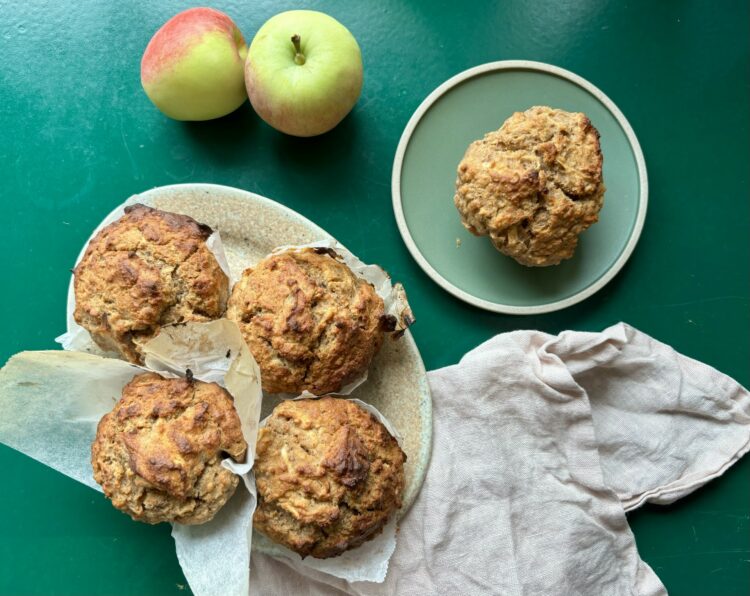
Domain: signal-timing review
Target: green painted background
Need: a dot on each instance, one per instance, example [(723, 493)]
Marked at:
[(77, 136)]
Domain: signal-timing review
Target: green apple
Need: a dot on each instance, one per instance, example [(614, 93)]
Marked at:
[(193, 67), (303, 72)]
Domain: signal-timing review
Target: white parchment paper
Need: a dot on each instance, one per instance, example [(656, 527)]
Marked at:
[(76, 337), (51, 403), (394, 298), (368, 562)]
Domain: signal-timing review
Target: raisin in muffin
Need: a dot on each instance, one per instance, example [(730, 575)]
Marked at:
[(310, 323), (148, 269), (534, 185), (329, 476), (158, 453)]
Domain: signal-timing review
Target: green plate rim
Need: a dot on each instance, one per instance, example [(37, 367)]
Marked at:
[(456, 291)]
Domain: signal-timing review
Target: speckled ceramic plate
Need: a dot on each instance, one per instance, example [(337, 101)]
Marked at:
[(251, 226), (462, 110)]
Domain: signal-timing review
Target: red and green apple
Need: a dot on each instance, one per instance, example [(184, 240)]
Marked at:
[(192, 68)]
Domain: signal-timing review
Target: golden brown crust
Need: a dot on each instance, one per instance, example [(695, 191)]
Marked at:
[(157, 454), (148, 269), (329, 476), (310, 323), (534, 185)]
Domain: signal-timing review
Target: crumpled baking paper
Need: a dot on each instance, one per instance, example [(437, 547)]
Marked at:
[(395, 303), (368, 562), (76, 338), (52, 401), (541, 443)]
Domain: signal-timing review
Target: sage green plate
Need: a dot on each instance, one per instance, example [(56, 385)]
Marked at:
[(462, 110)]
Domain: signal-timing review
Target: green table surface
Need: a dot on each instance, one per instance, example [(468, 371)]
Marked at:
[(79, 136)]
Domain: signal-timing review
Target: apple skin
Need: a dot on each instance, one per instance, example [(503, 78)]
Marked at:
[(307, 99), (193, 67)]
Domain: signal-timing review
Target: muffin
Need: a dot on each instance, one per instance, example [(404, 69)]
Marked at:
[(310, 323), (329, 476), (158, 453), (534, 185), (148, 269)]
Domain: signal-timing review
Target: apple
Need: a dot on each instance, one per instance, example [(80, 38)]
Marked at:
[(193, 67), (303, 72)]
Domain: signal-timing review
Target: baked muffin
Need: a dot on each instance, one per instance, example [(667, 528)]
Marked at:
[(310, 323), (158, 453), (534, 185), (329, 476), (148, 269)]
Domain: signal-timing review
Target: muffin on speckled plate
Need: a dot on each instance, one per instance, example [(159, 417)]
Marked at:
[(329, 476), (148, 269), (309, 321), (157, 455), (533, 185)]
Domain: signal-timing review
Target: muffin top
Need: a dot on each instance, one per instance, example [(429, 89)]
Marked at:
[(310, 323), (158, 453), (149, 268), (329, 475), (534, 185)]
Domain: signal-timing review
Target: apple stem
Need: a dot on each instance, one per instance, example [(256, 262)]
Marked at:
[(299, 57)]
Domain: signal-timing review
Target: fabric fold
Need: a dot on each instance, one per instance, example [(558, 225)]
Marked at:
[(665, 424)]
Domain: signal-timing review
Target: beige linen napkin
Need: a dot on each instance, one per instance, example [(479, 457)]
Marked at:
[(541, 444)]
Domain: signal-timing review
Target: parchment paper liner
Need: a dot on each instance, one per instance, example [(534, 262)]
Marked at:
[(51, 402)]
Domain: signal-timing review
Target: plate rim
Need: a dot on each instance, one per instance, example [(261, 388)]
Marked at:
[(424, 405), (498, 307)]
